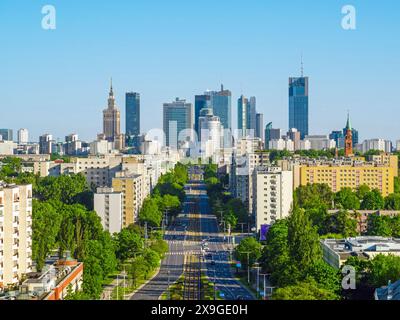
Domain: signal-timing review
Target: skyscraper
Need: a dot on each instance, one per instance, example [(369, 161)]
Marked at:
[(177, 116), (251, 115), (298, 104), (112, 122), (221, 105), (242, 115), (132, 113), (6, 134), (200, 102), (260, 126)]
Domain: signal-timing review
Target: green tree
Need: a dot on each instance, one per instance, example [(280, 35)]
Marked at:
[(392, 201), (137, 269), (303, 241), (383, 269), (342, 223), (160, 246), (250, 245), (305, 290), (362, 191), (373, 200), (326, 276), (128, 244), (347, 199), (45, 226), (150, 213), (275, 255), (92, 271), (379, 225), (313, 195)]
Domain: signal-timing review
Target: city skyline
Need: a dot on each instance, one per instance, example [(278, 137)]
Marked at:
[(342, 65)]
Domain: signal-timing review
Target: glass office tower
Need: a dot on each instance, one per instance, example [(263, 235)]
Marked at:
[(177, 117), (200, 102), (298, 105), (132, 113)]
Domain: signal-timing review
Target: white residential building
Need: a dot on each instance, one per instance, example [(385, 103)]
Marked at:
[(15, 233), (7, 147), (242, 176), (375, 144), (108, 206), (247, 145), (23, 136), (320, 142), (272, 195), (281, 144)]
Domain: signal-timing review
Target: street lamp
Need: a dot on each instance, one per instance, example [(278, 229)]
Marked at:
[(257, 267), (169, 290), (265, 293), (248, 264)]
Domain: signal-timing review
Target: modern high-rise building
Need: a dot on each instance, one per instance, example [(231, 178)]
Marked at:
[(23, 136), (221, 105), (132, 113), (46, 144), (15, 233), (112, 122), (6, 134), (211, 133), (251, 116), (200, 102), (177, 117), (298, 105), (242, 115), (271, 134), (259, 126), (338, 137)]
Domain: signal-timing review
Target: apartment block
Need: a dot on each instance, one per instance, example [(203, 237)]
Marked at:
[(349, 173), (108, 206), (132, 188), (272, 195), (15, 233)]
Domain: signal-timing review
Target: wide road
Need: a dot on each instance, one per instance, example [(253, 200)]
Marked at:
[(171, 266), (195, 225), (217, 258)]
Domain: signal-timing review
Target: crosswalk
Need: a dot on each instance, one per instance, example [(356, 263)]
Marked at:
[(182, 253), (192, 242)]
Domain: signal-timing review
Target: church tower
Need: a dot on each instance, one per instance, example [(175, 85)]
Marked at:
[(348, 142)]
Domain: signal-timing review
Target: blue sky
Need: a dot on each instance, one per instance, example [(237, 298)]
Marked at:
[(57, 81)]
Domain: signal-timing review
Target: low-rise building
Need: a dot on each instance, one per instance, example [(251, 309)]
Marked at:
[(337, 251)]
